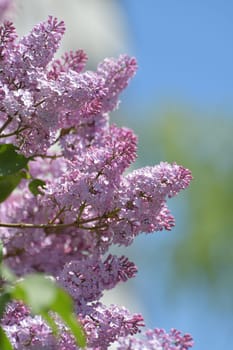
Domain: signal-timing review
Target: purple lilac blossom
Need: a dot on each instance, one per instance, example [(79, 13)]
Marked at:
[(86, 280), (58, 115), (42, 96), (104, 325), (157, 339)]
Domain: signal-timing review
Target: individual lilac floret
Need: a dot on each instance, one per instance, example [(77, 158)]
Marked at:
[(157, 339)]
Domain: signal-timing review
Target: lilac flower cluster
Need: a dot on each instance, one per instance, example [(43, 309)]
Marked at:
[(157, 339), (58, 117)]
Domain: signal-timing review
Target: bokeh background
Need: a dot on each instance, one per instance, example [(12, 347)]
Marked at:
[(180, 105)]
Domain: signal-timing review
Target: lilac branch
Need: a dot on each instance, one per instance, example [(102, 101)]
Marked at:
[(7, 122), (77, 223)]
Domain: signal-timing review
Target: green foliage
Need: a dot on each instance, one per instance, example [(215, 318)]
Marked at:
[(4, 341), (10, 161), (203, 144), (5, 297), (1, 252), (12, 169), (8, 183)]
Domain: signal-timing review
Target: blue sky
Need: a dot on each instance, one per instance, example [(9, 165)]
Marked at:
[(184, 50)]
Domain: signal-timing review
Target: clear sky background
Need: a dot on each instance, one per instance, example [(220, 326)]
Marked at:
[(184, 50)]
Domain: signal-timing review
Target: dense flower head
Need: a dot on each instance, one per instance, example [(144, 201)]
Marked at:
[(26, 331), (86, 280), (40, 95), (105, 325), (39, 47), (30, 333), (158, 339), (96, 206), (56, 115)]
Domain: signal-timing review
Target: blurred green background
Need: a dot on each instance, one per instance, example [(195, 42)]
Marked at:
[(189, 270), (180, 105)]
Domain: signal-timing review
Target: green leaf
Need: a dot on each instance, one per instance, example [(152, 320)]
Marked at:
[(4, 341), (4, 300), (34, 186), (1, 252), (42, 295), (8, 184), (76, 329), (37, 291), (10, 161), (7, 274), (66, 313)]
